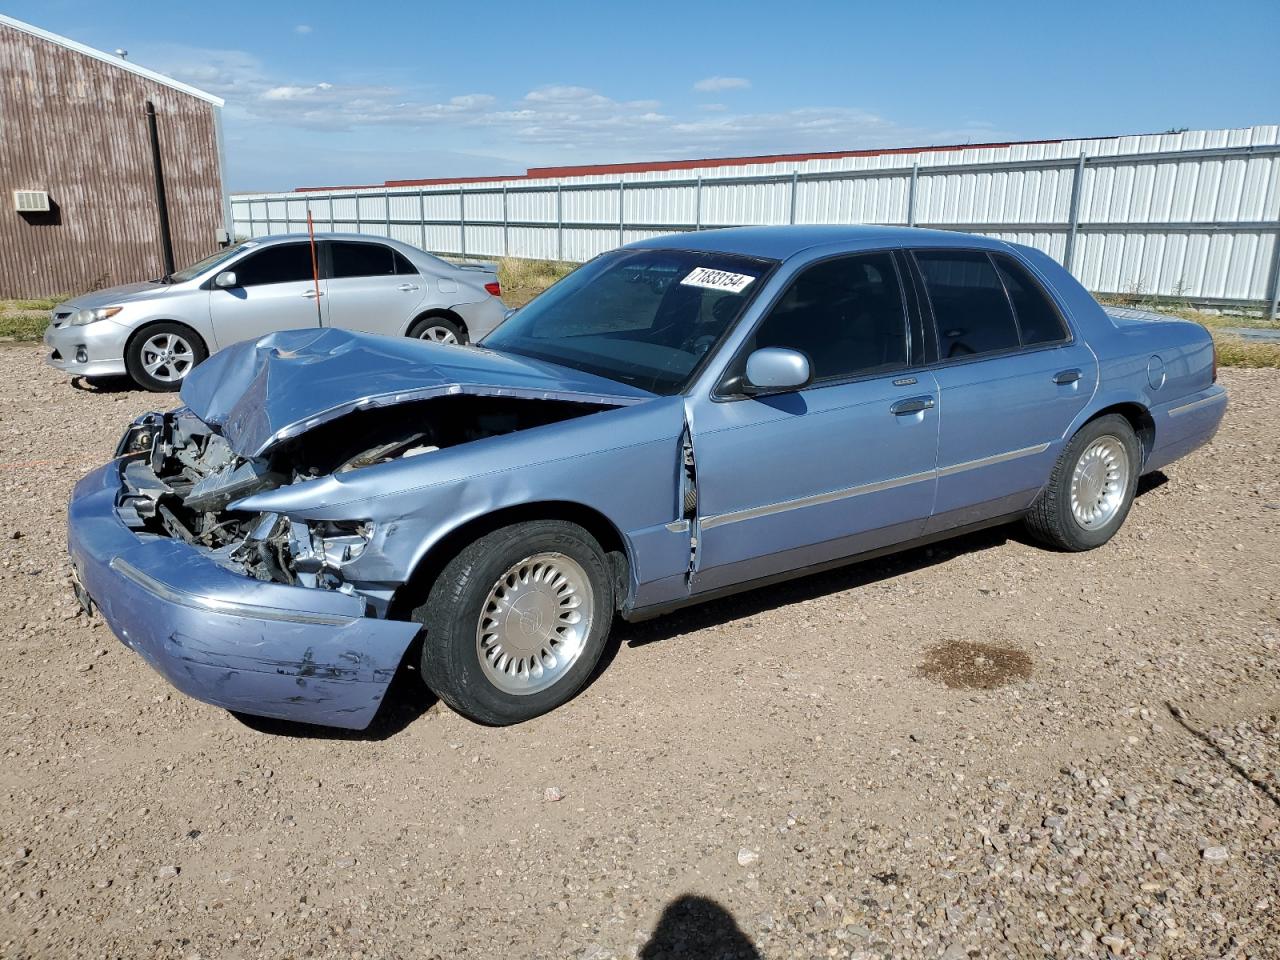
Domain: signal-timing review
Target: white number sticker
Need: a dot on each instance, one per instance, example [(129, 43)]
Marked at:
[(717, 280)]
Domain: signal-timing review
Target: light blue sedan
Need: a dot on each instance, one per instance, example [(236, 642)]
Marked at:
[(678, 419)]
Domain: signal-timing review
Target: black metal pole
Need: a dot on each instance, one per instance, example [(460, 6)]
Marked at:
[(162, 202)]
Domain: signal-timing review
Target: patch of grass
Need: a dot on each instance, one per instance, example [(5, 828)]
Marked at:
[(43, 303), (23, 325), (522, 280), (1238, 352)]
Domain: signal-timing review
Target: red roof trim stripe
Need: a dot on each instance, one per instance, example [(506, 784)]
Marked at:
[(605, 169)]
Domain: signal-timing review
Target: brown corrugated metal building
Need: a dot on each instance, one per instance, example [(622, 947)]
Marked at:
[(73, 124)]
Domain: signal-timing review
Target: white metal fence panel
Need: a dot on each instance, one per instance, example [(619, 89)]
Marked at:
[(1193, 215)]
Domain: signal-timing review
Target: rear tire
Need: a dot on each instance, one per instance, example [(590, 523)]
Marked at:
[(159, 356), (517, 621), (438, 330), (1091, 488)]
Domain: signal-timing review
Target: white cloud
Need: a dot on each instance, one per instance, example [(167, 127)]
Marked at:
[(294, 93), (303, 29), (716, 84), (552, 124)]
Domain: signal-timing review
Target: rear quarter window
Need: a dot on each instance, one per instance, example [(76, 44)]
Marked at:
[(1038, 319)]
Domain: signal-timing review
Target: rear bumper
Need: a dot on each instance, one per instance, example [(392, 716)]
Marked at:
[(259, 648), (1184, 425), (101, 344)]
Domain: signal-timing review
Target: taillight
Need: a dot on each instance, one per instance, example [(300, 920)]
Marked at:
[(1215, 361), (494, 288)]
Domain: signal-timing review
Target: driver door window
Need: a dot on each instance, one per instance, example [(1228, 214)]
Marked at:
[(846, 315), (287, 263)]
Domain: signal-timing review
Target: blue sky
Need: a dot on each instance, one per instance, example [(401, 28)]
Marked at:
[(338, 92)]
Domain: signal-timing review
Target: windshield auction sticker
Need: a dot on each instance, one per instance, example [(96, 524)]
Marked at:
[(717, 280)]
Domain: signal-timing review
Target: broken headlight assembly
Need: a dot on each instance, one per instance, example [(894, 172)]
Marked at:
[(318, 550), (141, 435)]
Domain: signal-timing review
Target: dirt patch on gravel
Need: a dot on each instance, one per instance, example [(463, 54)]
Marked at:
[(767, 775), (962, 665)]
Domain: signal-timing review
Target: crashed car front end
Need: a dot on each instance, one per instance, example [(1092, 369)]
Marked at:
[(285, 611), (180, 478), (260, 646)]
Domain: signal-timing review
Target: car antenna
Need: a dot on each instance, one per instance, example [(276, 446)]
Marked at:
[(315, 265)]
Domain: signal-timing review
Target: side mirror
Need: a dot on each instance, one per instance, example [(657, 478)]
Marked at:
[(776, 370), (226, 280), (511, 312)]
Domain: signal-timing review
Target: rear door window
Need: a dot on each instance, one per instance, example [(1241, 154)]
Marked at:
[(970, 308), (1038, 319), (354, 259), (286, 263)]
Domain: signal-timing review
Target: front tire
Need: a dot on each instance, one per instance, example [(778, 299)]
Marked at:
[(159, 357), (517, 621), (1091, 488)]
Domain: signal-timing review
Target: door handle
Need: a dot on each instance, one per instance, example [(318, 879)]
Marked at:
[(911, 405), (312, 294), (407, 287), (1066, 376)]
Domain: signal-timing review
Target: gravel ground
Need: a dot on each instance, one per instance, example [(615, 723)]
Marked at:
[(982, 749)]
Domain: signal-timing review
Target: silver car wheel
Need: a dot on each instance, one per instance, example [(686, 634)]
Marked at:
[(534, 623), (438, 334), (167, 357), (1100, 482)]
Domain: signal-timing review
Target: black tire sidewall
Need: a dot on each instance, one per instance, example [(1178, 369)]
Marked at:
[(450, 662), (418, 326), (133, 355), (1078, 537)]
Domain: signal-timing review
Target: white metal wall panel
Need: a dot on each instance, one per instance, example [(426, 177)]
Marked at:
[(1123, 205), (484, 207)]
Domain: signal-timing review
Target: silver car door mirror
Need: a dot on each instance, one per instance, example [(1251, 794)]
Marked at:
[(226, 280), (776, 370)]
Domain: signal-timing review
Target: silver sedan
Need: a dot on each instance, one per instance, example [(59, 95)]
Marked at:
[(158, 330)]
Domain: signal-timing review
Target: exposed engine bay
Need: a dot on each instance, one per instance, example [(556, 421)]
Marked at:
[(181, 476)]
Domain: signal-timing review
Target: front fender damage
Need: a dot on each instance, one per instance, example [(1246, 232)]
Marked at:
[(277, 517)]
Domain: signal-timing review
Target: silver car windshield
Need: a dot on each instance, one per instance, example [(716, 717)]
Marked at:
[(644, 317), (200, 266)]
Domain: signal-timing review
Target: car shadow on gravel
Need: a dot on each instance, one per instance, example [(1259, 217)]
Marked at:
[(754, 602), (858, 574), (119, 384)]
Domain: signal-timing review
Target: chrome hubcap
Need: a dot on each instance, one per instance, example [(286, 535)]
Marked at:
[(439, 335), (1099, 482), (167, 357), (534, 623)]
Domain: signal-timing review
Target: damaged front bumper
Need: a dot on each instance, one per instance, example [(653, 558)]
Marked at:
[(252, 646)]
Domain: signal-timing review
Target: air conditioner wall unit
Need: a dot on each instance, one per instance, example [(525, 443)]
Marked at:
[(31, 201)]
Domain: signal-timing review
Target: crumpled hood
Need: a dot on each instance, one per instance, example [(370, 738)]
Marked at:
[(257, 393)]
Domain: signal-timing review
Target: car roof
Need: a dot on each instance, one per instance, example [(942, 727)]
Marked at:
[(327, 235), (780, 243)]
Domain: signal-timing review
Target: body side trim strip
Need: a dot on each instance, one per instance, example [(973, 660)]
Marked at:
[(1197, 404), (993, 459), (753, 513)]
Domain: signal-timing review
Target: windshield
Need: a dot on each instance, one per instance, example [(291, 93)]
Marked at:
[(200, 266), (644, 317)]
